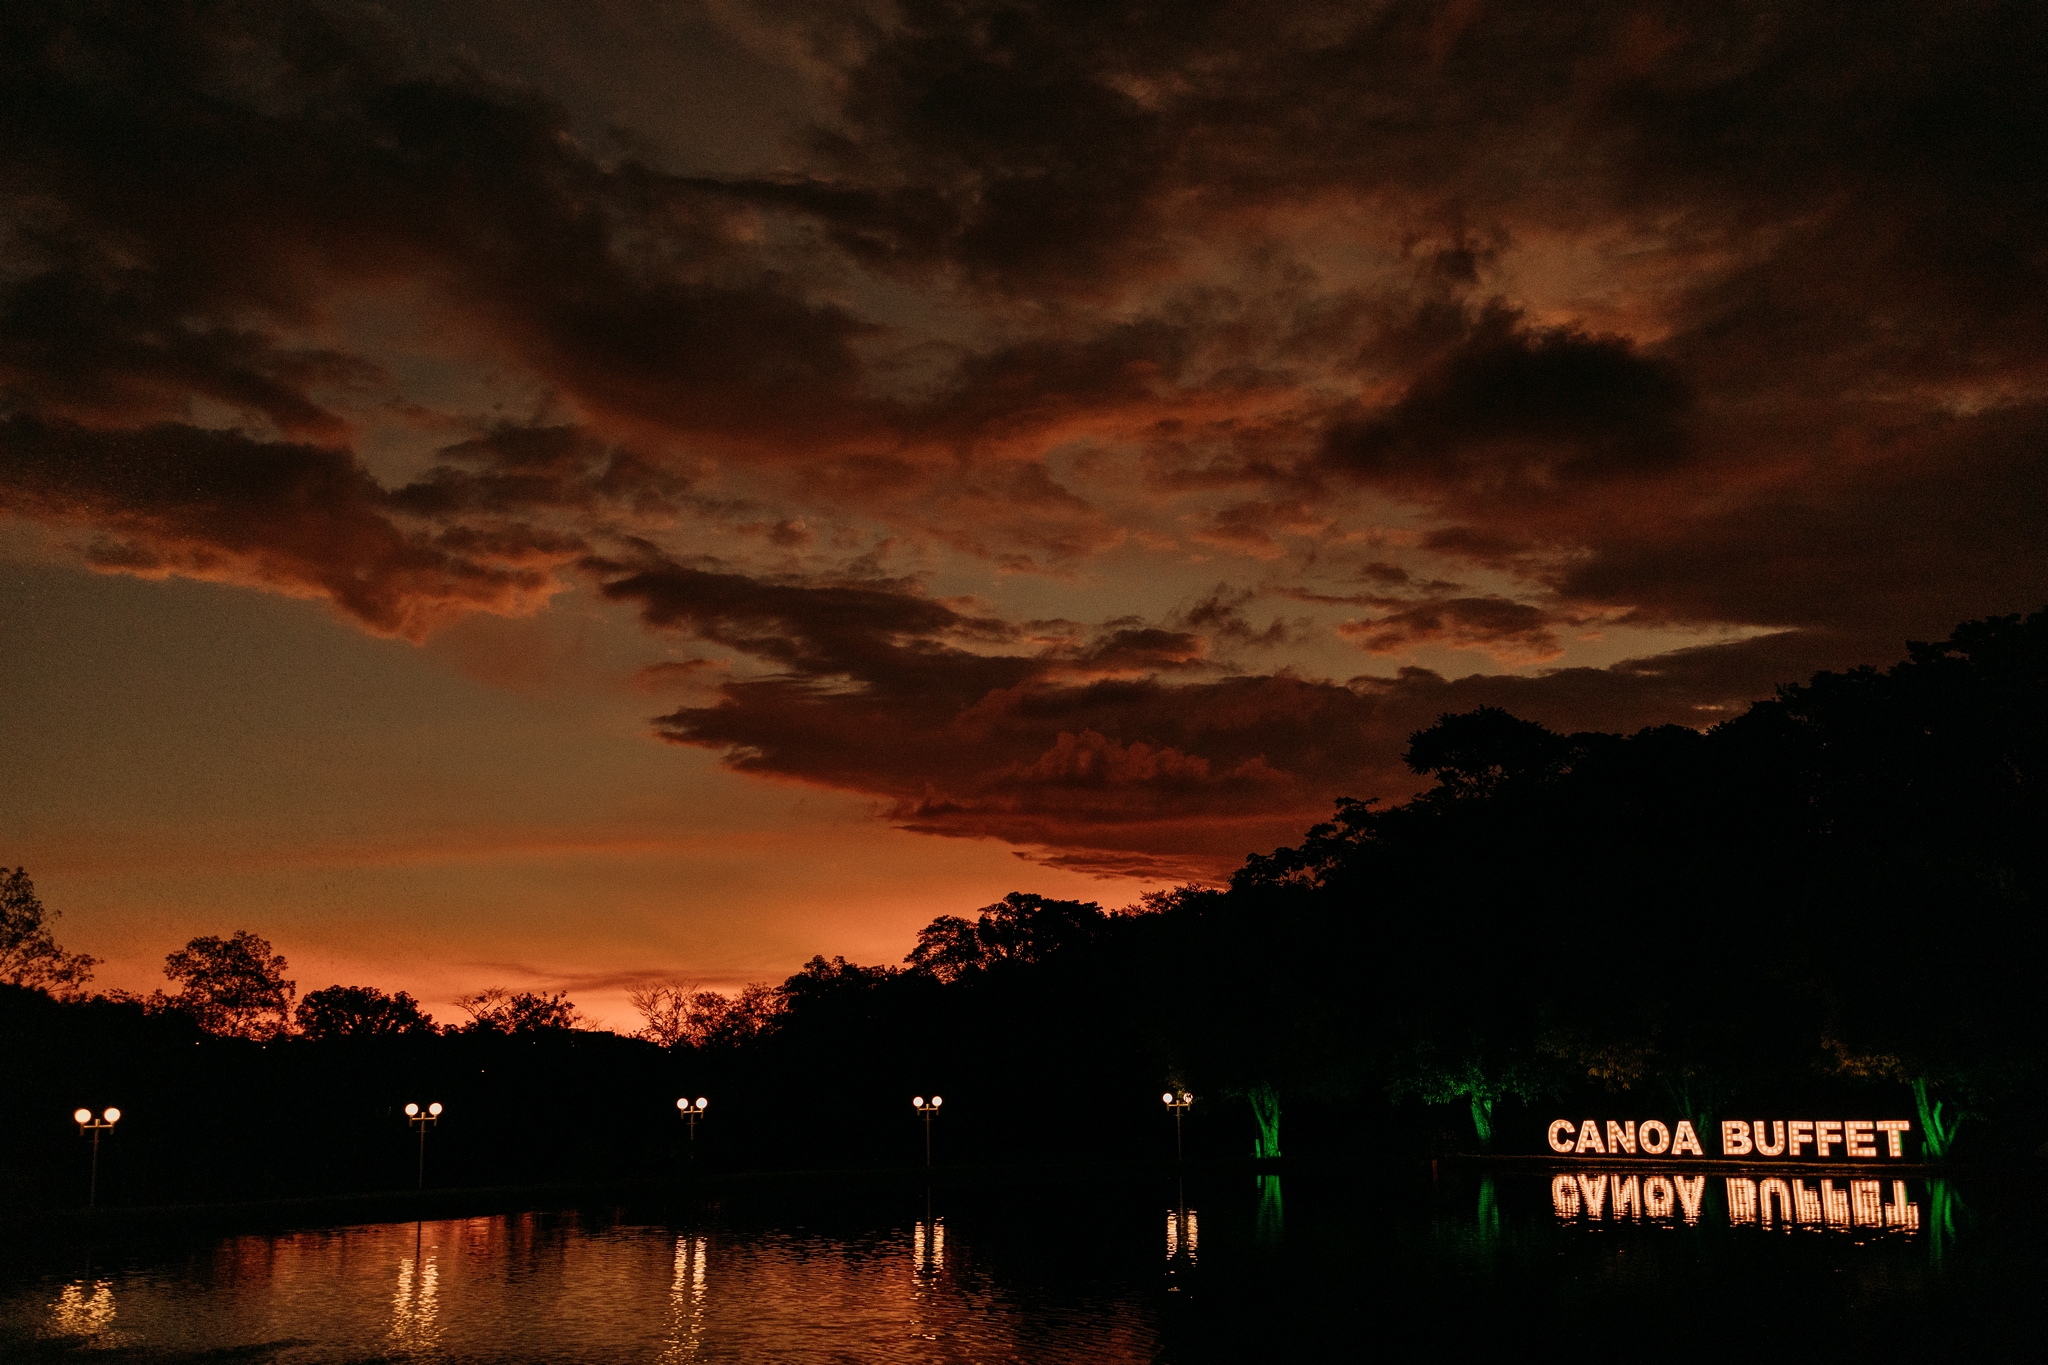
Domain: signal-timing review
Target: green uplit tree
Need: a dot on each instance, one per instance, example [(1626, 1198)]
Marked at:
[(1469, 1068), (1937, 1133), (1265, 1103), (1938, 1120)]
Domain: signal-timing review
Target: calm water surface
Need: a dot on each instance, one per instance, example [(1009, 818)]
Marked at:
[(1139, 1269)]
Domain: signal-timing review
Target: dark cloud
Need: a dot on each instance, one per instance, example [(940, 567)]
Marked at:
[(520, 470), (189, 184), (1725, 316), (1090, 754), (1501, 626), (1513, 415), (299, 519)]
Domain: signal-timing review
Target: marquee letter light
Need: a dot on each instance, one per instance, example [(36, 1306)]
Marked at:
[(1564, 1144), (1564, 1195), (1656, 1138), (1901, 1213), (1892, 1130), (1806, 1201), (1620, 1139), (1595, 1192), (1658, 1196), (1686, 1142), (1741, 1200), (1589, 1139), (1866, 1203), (1826, 1133), (1860, 1136), (1735, 1137), (1627, 1198), (1802, 1133), (1690, 1192), (1834, 1205), (1777, 1145), (1777, 1189)]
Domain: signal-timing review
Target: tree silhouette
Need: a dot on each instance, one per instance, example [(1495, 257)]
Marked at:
[(360, 1012), (678, 1014), (29, 956), (1020, 927), (232, 986), (498, 1010)]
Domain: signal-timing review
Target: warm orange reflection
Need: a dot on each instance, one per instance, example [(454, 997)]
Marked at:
[(82, 1310), (415, 1307), (1901, 1213), (1776, 1202), (928, 1246), (686, 1301), (1772, 1202), (1182, 1233), (582, 1286), (1631, 1197)]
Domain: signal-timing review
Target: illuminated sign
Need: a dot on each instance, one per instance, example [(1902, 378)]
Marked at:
[(1792, 1139)]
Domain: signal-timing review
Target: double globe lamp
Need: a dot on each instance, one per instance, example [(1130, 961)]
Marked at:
[(928, 1108), (88, 1124)]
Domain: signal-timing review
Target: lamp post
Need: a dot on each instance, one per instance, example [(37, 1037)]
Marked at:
[(928, 1108), (1178, 1101), (88, 1124), (691, 1113), (420, 1118)]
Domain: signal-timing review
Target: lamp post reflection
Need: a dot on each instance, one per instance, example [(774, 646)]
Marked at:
[(1178, 1101), (1182, 1234), (420, 1118), (686, 1300), (88, 1124), (928, 1108), (415, 1305), (84, 1308), (692, 1111)]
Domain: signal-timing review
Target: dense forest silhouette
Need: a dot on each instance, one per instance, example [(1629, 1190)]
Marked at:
[(1831, 901)]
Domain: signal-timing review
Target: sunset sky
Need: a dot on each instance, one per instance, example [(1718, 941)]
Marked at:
[(564, 495)]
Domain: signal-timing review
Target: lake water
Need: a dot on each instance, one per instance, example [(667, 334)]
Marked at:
[(1239, 1267)]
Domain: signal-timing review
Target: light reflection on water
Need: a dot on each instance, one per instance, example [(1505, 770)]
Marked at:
[(534, 1289), (686, 1300), (1089, 1273), (1851, 1206)]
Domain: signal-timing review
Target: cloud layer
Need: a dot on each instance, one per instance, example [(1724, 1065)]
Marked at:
[(1101, 429)]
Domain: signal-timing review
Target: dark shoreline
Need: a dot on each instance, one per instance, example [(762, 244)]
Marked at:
[(1705, 1165), (391, 1206)]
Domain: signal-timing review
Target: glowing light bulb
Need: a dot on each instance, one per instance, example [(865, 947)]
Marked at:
[(683, 1103), (1186, 1098), (435, 1109), (936, 1101), (1167, 1098), (917, 1103), (412, 1111), (112, 1115), (703, 1103), (81, 1116)]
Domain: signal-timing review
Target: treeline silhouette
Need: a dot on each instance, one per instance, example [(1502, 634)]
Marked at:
[(1830, 903)]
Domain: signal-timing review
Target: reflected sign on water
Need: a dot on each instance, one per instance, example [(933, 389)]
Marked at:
[(1772, 1202)]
